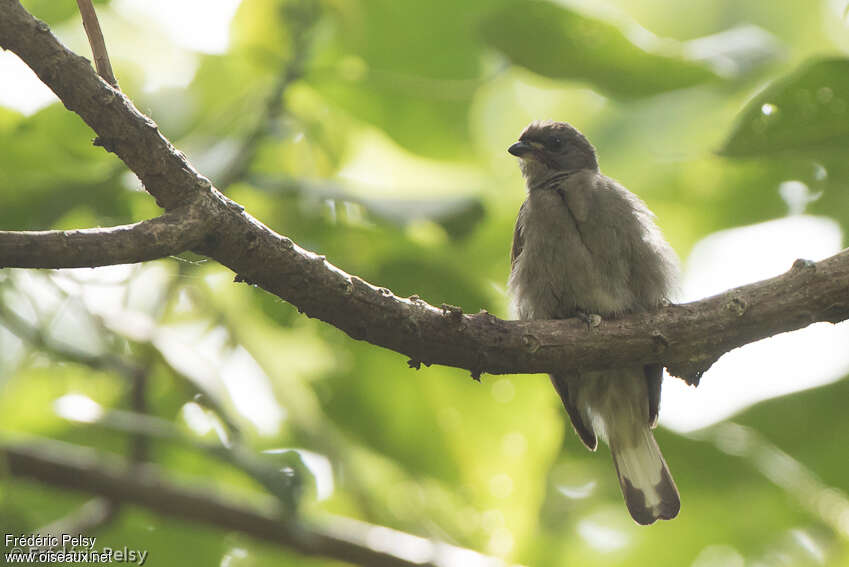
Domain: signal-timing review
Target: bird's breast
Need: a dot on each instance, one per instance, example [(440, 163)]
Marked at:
[(567, 263)]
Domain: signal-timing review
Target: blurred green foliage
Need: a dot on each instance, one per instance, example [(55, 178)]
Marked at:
[(804, 112), (388, 154), (568, 45)]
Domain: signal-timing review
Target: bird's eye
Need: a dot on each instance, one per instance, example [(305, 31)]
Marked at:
[(555, 143)]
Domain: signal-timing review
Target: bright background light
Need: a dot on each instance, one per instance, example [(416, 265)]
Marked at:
[(197, 26)]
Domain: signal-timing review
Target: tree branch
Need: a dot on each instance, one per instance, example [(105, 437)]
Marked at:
[(80, 468), (169, 234), (686, 338)]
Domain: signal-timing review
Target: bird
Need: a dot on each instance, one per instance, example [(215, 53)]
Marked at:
[(584, 246)]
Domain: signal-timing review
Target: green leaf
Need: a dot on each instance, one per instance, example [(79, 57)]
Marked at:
[(457, 215), (48, 166), (410, 71), (419, 113), (804, 113), (406, 429), (272, 31), (795, 424), (284, 473), (562, 44)]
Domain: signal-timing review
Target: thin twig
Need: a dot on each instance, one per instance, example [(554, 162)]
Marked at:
[(40, 340), (98, 44), (139, 444)]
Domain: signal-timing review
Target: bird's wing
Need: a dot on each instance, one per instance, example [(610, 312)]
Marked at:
[(584, 430), (654, 376), (518, 237)]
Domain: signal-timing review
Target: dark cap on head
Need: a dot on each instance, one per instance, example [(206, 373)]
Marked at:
[(554, 146)]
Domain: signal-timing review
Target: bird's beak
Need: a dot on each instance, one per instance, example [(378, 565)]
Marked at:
[(520, 149)]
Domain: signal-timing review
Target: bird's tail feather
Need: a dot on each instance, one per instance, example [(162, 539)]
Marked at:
[(648, 488)]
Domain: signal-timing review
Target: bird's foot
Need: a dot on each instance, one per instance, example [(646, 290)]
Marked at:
[(592, 320)]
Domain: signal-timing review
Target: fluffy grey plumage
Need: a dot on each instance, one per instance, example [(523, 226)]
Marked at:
[(584, 245)]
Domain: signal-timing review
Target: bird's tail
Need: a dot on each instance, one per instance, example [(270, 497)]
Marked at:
[(648, 488)]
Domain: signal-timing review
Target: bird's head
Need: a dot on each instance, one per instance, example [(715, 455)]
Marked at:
[(546, 148)]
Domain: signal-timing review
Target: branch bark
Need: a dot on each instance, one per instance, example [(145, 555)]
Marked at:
[(686, 338), (169, 234), (80, 468)]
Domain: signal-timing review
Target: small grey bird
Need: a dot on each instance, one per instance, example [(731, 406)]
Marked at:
[(586, 246)]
